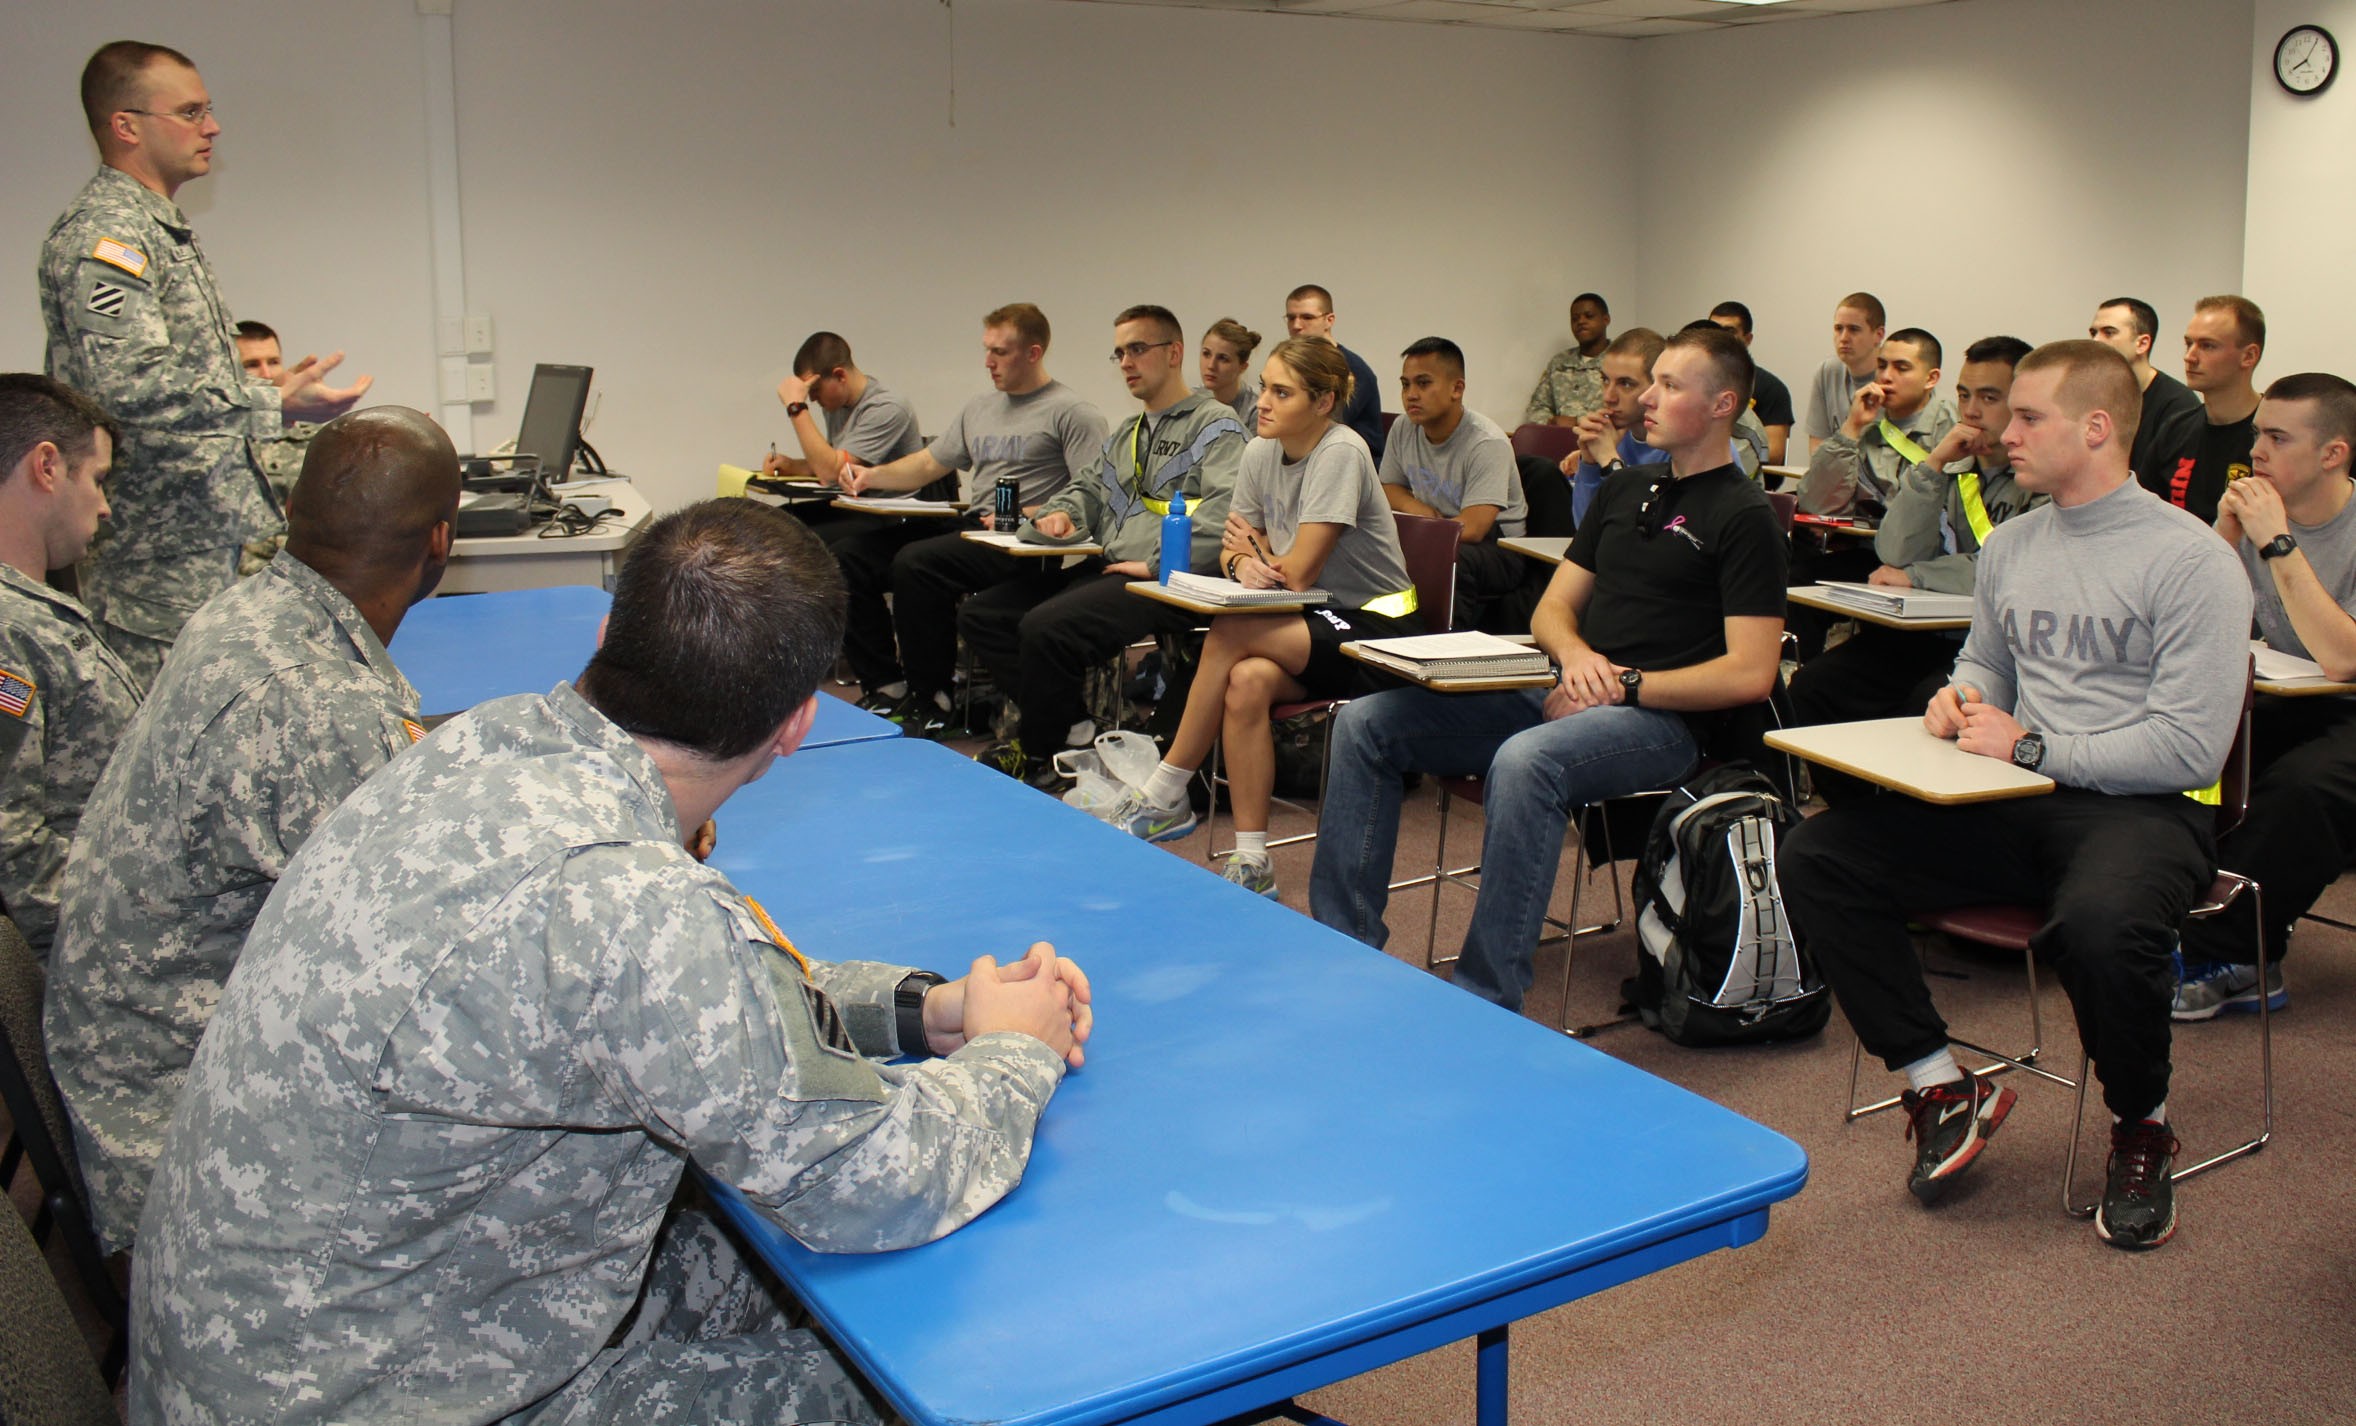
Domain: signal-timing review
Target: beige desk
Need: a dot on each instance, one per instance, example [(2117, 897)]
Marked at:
[(1830, 526), (1024, 549), (1149, 589), (1494, 684), (527, 561), (1901, 754), (1807, 594), (2303, 688), (1548, 549), (903, 505)]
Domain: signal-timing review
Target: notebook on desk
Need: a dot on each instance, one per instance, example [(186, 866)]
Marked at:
[(1902, 603), (1228, 594)]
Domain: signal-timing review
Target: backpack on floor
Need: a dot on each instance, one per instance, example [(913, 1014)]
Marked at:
[(1717, 959)]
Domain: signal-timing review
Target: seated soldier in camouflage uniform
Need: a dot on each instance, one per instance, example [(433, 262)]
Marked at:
[(64, 696), (281, 459), (277, 702), (423, 1163)]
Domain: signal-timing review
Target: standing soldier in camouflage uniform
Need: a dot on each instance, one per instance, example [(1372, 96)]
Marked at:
[(259, 353), (423, 1164), (1572, 384), (64, 697), (135, 321), (284, 702)]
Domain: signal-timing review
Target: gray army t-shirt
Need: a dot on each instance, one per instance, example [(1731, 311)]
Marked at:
[(878, 428), (1830, 398), (1042, 438), (2331, 549), (1333, 485), (1474, 466)]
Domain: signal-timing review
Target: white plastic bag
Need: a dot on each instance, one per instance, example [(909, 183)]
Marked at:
[(1100, 774)]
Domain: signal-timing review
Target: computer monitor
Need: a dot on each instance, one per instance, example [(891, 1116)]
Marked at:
[(552, 418)]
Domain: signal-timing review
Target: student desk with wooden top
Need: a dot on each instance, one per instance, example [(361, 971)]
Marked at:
[(1289, 1160), (1903, 755), (457, 652), (1806, 594)]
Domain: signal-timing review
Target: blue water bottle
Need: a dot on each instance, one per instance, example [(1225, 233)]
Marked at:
[(1177, 537)]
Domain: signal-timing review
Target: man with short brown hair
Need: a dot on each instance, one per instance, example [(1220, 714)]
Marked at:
[(2222, 345), (2171, 413), (65, 697), (135, 322), (2107, 651)]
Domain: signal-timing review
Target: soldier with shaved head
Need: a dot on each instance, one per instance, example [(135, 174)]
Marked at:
[(277, 701)]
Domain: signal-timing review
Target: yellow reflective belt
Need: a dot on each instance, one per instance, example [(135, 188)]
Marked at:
[(2211, 796), (1394, 606), (1159, 507), (1975, 510), (1903, 444)]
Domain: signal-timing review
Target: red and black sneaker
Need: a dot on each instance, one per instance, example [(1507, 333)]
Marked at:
[(1949, 1124), (2139, 1197)]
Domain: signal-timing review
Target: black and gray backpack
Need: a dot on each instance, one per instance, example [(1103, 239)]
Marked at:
[(1718, 961)]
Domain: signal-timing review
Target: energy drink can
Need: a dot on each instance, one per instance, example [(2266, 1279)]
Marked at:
[(1006, 505)]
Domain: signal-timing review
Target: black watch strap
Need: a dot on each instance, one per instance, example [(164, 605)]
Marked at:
[(795, 408), (2277, 547), (908, 1010)]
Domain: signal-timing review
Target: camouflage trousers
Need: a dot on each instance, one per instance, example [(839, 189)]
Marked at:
[(710, 1344), (144, 603)]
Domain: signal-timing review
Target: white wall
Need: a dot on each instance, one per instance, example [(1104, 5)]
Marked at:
[(1990, 166), (678, 195), (2302, 205), (314, 215)]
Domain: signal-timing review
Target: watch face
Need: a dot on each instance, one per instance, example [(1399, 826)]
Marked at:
[(2306, 59)]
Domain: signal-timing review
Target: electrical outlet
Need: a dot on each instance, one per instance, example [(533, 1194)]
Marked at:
[(478, 382), (450, 336), (478, 335), (454, 380)]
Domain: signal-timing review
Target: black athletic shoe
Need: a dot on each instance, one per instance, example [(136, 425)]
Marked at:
[(881, 703), (921, 717), (2138, 1199), (1950, 1124)]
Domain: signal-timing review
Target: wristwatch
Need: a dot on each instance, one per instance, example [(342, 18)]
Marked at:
[(908, 1010), (795, 408), (2028, 750), (2277, 547), (1631, 680)]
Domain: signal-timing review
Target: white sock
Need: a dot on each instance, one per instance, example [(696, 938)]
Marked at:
[(896, 690), (1939, 1068), (2157, 1116), (1167, 786), (943, 702), (1252, 846)]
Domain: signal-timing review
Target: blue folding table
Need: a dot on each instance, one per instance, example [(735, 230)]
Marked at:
[(1289, 1160), (458, 651)]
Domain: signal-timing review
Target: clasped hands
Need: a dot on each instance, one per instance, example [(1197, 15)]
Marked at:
[(1042, 995)]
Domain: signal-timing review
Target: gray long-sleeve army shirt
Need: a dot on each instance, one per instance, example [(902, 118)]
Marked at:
[(492, 1011), (1927, 532), (64, 702), (1195, 445), (277, 702), (136, 323)]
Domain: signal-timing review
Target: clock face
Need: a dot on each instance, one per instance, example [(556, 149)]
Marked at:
[(2306, 59)]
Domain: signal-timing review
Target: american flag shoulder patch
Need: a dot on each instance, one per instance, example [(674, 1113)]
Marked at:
[(16, 694), (416, 730), (107, 298), (122, 255)]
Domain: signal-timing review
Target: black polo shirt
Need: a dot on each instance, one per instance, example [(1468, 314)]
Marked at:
[(1673, 560)]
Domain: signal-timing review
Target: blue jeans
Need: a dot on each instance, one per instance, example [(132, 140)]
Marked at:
[(1537, 774)]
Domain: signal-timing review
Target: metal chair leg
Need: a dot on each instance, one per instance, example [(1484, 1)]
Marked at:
[(2244, 1149), (2001, 1063)]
